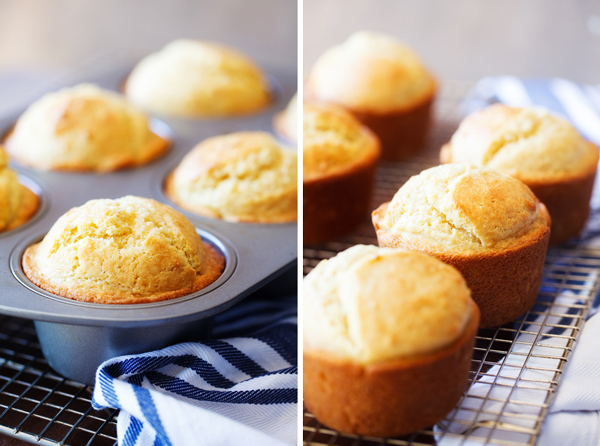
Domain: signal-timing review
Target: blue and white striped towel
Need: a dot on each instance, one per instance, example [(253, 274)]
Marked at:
[(574, 415), (233, 391)]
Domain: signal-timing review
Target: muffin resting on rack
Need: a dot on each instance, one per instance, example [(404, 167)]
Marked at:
[(388, 338), (486, 224), (339, 160), (383, 83)]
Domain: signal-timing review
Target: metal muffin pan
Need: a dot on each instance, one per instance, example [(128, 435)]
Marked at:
[(76, 336)]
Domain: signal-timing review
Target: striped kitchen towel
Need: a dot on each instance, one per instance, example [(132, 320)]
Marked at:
[(238, 390)]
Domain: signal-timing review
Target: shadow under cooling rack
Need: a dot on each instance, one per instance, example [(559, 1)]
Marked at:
[(36, 404), (516, 368)]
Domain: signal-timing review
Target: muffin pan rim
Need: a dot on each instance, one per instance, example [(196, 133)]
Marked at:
[(221, 243), (263, 251)]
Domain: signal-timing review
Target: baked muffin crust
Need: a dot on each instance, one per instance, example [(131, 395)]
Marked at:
[(379, 325), (17, 203), (370, 304), (486, 224), (334, 141), (542, 150), (339, 161), (193, 78), (242, 177), (370, 72), (527, 143), (463, 207), (129, 250), (83, 128)]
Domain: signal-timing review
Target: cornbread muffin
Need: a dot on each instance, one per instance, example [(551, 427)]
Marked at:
[(124, 251), (339, 160), (383, 83), (191, 78), (379, 326), (486, 224), (285, 122), (542, 150), (83, 128), (240, 177), (17, 203)]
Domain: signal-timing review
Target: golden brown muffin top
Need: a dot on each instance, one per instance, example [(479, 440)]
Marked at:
[(243, 176), (463, 207), (334, 141), (11, 193), (128, 250), (370, 72), (370, 304), (527, 143), (195, 78), (83, 128)]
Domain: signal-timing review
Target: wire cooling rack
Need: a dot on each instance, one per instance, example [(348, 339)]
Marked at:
[(38, 405), (516, 368)]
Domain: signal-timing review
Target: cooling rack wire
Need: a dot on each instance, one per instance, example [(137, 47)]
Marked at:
[(516, 368), (37, 404)]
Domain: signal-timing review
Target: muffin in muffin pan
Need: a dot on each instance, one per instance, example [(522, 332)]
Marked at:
[(99, 247), (542, 150), (240, 177), (194, 78), (18, 203), (84, 128), (486, 224), (125, 251), (379, 325), (383, 83)]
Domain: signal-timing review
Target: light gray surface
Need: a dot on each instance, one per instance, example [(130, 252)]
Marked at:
[(469, 39)]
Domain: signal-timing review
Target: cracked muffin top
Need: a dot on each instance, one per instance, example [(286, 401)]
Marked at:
[(240, 177), (464, 207), (83, 128), (128, 250), (527, 143), (371, 304), (193, 78)]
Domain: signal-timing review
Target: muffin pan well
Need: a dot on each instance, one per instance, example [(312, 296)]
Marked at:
[(76, 337)]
